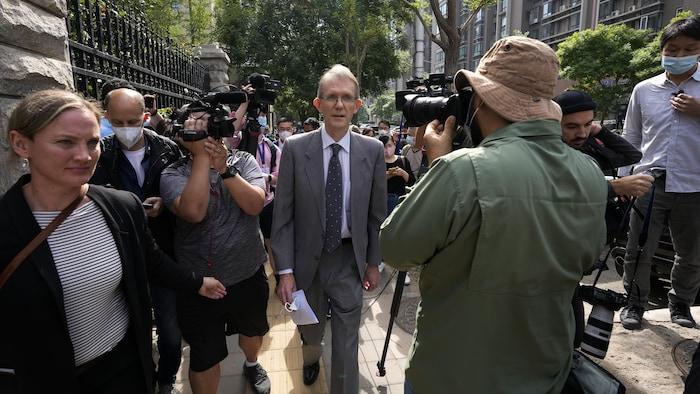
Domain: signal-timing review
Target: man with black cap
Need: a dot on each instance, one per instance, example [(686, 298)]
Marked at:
[(609, 150), (497, 229), (311, 124)]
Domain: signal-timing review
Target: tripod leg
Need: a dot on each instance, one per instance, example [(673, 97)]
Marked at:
[(395, 303)]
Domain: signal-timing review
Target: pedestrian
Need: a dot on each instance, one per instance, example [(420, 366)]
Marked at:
[(662, 121), (76, 311), (503, 231), (330, 201)]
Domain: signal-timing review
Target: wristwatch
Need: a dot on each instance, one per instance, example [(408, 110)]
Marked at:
[(230, 172)]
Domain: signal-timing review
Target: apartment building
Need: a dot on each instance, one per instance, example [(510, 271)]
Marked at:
[(552, 21)]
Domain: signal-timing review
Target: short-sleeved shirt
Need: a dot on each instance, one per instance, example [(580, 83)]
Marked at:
[(227, 243)]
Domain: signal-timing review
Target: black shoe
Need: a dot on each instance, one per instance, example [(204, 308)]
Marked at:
[(631, 317), (257, 377), (311, 373), (680, 314)]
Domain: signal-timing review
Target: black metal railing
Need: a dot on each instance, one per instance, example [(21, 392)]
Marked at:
[(107, 42)]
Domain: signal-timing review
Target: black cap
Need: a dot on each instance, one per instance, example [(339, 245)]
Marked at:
[(572, 101), (312, 121)]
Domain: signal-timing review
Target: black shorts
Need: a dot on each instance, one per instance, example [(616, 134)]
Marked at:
[(266, 219), (205, 323)]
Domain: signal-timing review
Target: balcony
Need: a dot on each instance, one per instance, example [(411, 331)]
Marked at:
[(631, 12)]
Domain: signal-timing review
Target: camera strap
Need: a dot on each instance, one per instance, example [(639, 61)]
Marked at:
[(34, 243), (642, 240)]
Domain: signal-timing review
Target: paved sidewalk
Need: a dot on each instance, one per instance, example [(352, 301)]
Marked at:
[(282, 358)]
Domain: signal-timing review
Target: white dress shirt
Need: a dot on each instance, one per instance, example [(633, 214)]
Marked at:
[(667, 138), (344, 157)]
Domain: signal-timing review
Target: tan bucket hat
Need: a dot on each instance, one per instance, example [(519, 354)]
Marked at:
[(516, 78)]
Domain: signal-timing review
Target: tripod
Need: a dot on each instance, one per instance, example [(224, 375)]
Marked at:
[(395, 303)]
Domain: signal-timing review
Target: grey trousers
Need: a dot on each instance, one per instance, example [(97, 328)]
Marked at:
[(682, 213), (337, 279)]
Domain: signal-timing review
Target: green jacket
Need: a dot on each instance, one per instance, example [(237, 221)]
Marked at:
[(504, 232)]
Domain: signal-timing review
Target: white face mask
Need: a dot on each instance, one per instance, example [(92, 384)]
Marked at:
[(128, 136), (284, 134)]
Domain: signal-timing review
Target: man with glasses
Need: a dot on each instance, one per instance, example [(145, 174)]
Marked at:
[(330, 202)]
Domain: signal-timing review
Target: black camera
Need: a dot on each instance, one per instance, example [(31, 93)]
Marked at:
[(220, 122), (219, 125), (596, 335), (258, 103), (430, 99)]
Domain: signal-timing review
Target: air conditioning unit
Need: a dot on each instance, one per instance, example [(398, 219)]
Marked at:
[(632, 7), (535, 20), (615, 13)]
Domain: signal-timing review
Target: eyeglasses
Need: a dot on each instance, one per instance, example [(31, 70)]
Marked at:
[(347, 100)]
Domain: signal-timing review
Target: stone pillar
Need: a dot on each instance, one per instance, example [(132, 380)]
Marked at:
[(216, 61), (34, 53)]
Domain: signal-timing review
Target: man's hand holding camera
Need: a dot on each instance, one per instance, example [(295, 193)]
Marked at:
[(397, 171), (437, 138)]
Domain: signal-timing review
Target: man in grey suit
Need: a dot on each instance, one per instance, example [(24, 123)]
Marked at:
[(330, 201)]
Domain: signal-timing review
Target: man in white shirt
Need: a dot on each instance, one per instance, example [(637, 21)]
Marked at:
[(329, 204), (663, 121)]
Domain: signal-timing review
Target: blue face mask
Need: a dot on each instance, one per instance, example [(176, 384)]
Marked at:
[(410, 140), (262, 121), (679, 65)]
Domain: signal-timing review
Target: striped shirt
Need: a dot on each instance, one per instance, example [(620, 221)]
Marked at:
[(90, 271)]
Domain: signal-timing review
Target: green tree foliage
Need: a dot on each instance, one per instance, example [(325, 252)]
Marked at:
[(600, 61), (384, 108), (296, 41), (451, 27)]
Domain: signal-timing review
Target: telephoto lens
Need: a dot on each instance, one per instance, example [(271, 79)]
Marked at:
[(596, 335)]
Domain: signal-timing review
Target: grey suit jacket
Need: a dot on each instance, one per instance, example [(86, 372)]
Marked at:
[(299, 222)]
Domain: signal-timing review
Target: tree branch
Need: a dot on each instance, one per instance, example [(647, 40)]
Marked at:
[(426, 26)]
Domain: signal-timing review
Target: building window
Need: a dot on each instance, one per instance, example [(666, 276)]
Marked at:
[(443, 8), (478, 30), (440, 56), (575, 21), (533, 33), (478, 48), (475, 64), (462, 51), (479, 15), (503, 5), (643, 23), (504, 27), (534, 15), (547, 9)]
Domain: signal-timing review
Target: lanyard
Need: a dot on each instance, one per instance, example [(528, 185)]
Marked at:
[(261, 151)]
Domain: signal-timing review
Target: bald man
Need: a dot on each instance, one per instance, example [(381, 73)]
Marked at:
[(132, 159)]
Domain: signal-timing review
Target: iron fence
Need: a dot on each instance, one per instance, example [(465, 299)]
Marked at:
[(107, 42)]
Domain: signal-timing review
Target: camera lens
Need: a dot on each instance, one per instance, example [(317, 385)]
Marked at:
[(596, 336), (420, 110)]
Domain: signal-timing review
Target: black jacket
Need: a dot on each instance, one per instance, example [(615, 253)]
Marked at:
[(162, 152), (34, 338)]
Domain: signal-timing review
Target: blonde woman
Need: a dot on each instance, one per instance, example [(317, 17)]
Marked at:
[(76, 314)]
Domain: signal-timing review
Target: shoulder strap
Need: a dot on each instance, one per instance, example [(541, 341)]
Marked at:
[(273, 153), (34, 243)]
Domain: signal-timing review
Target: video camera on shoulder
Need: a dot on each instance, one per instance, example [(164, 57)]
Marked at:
[(430, 99)]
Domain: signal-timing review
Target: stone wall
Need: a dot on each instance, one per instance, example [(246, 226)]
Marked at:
[(216, 61), (34, 53)]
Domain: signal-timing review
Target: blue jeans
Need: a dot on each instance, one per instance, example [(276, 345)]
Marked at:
[(407, 388), (169, 337)]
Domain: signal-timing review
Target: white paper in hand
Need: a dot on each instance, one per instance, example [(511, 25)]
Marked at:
[(302, 314)]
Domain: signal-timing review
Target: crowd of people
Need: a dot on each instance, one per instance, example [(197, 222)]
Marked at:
[(117, 217)]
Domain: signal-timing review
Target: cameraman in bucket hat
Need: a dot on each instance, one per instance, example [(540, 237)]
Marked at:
[(504, 230)]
